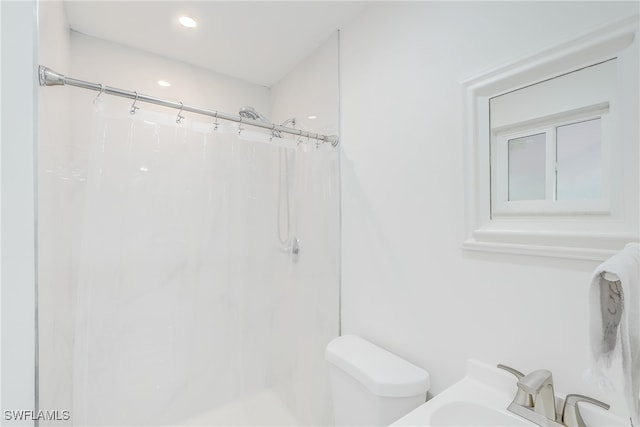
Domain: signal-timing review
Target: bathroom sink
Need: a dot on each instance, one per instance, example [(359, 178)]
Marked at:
[(481, 399)]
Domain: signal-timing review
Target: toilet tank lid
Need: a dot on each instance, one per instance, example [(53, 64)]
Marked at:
[(379, 370)]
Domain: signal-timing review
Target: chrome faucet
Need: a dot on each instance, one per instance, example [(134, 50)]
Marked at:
[(539, 384), (535, 401), (539, 405)]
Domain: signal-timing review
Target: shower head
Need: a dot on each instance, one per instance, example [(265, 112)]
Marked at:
[(248, 112), (291, 121)]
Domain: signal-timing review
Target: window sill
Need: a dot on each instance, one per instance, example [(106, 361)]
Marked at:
[(585, 246)]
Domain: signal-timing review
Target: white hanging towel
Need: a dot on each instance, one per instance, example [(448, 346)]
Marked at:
[(615, 325)]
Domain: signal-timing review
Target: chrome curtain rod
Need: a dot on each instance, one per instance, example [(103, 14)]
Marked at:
[(49, 77)]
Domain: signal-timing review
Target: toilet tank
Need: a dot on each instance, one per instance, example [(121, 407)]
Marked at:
[(370, 385)]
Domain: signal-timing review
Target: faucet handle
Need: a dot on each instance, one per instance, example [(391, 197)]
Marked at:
[(571, 413), (522, 397)]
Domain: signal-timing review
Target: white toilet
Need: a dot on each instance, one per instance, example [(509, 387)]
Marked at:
[(371, 386)]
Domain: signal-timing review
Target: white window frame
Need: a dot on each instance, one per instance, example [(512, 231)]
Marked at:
[(570, 234), (500, 203)]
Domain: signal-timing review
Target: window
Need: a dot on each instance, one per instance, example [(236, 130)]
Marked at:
[(552, 150), (526, 164), (578, 160)]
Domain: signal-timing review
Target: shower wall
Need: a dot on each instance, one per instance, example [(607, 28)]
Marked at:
[(311, 90), (184, 341), (58, 206), (290, 309), (116, 65)]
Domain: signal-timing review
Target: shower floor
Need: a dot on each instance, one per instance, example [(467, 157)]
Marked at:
[(262, 409)]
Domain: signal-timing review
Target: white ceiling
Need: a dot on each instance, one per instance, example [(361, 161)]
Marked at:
[(257, 41)]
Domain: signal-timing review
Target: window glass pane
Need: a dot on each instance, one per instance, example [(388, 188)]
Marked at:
[(579, 161), (527, 167)]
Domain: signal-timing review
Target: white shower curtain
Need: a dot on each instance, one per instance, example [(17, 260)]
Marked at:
[(185, 301)]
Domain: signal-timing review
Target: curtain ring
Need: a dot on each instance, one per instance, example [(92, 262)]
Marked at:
[(180, 117), (133, 108), (215, 127), (95, 100)]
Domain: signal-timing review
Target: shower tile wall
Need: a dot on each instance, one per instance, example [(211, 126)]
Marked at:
[(176, 289), (311, 89), (184, 333), (293, 306)]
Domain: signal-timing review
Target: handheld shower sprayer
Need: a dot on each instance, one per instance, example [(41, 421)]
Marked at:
[(290, 244)]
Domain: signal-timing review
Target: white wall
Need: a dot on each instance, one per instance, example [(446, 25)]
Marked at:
[(18, 84), (407, 284), (310, 89)]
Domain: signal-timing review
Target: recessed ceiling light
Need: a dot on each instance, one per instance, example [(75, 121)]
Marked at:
[(312, 117), (187, 21), (164, 83)]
